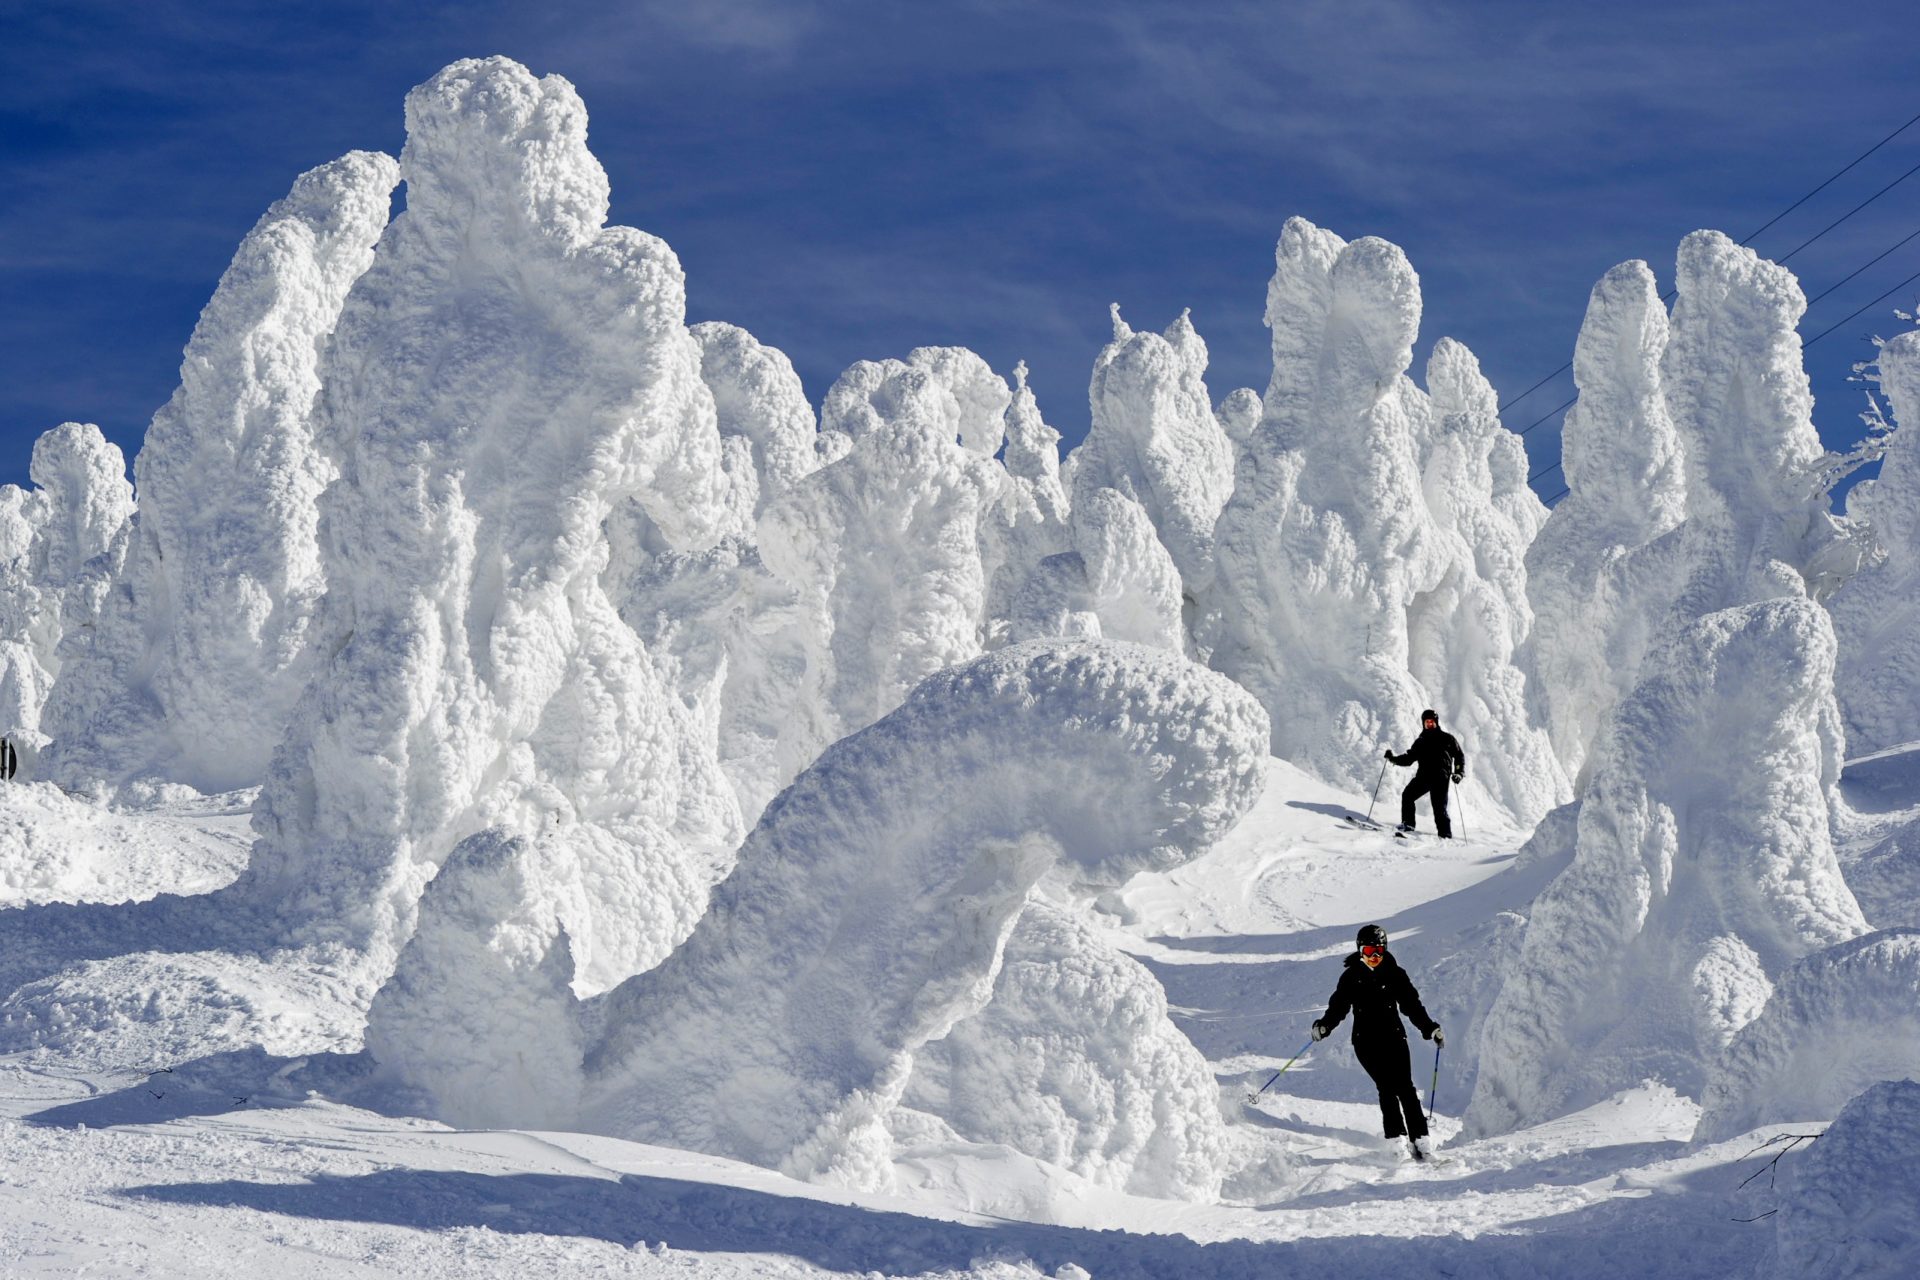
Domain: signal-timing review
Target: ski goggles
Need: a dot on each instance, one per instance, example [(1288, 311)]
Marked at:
[(1373, 953)]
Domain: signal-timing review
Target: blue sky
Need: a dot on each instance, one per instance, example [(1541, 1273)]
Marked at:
[(851, 180)]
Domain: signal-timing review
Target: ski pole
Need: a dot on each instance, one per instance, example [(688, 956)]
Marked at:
[(1463, 808), (1282, 1071), (1435, 1089), (1376, 800)]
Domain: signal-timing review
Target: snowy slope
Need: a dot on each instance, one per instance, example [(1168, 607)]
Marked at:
[(243, 1164)]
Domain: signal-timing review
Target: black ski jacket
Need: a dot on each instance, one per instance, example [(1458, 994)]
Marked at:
[(1438, 754), (1377, 997)]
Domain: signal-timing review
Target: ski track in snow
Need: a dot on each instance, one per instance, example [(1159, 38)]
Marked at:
[(241, 1164)]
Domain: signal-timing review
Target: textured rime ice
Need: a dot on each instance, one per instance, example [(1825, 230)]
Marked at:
[(1028, 521), (1324, 542), (1877, 614), (1155, 439), (883, 544), (1130, 583), (1075, 1061), (1703, 868), (60, 545), (1374, 537), (214, 629), (1839, 1020), (506, 375), (1847, 1212), (758, 397), (1758, 523), (1462, 636), (488, 927), (1599, 575), (868, 909)]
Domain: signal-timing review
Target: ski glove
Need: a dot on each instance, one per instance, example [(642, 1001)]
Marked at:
[(1387, 754), (1439, 1038), (1319, 1032), (1458, 775)]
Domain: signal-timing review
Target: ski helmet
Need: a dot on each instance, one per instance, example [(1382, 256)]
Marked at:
[(1371, 935), (1429, 714)]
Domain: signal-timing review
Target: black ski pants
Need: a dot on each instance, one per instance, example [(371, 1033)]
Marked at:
[(1386, 1059), (1422, 785)]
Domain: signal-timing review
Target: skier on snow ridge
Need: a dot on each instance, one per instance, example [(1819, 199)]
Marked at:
[(1441, 762), (1378, 991)]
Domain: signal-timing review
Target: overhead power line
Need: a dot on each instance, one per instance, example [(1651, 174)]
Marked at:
[(1863, 266), (1838, 173), (1849, 213), (1876, 302)]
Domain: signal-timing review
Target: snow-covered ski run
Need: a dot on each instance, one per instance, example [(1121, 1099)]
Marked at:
[(247, 1164)]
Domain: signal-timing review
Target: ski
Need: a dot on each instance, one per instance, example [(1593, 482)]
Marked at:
[(1360, 824)]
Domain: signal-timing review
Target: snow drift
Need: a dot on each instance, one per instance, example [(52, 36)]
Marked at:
[(1839, 1020), (1848, 1209), (866, 915)]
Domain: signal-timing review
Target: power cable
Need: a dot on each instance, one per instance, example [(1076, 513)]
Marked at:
[(1849, 213), (1823, 186), (1768, 223), (1863, 266), (1876, 302)]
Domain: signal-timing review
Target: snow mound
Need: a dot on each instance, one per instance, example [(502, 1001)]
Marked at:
[(1029, 521), (60, 545), (60, 848), (1848, 1212), (869, 908), (1838, 1021), (1877, 614), (214, 632), (1703, 868), (1075, 1061), (508, 374), (1598, 575)]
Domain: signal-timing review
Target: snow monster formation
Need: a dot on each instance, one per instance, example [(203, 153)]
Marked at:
[(1840, 1020), (1704, 863), (1878, 613), (60, 543), (866, 916), (1075, 1061), (1155, 439), (507, 374), (883, 544), (212, 631), (1350, 556), (1600, 574)]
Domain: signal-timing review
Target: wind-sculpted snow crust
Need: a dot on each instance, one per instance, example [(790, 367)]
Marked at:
[(1075, 1061), (1703, 868), (866, 916), (1839, 1020), (214, 633)]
